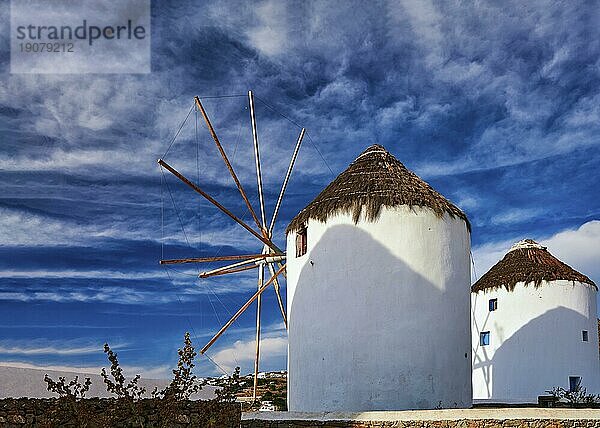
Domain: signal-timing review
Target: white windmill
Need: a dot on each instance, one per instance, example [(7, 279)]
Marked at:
[(269, 255)]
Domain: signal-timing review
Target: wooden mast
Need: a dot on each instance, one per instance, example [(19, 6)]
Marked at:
[(261, 270), (261, 273)]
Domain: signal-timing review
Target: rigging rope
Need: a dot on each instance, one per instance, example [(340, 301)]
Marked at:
[(178, 216), (216, 364), (273, 109), (319, 152), (167, 269), (297, 125), (179, 130), (207, 97)]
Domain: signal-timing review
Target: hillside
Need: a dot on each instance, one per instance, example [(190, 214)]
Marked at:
[(25, 382)]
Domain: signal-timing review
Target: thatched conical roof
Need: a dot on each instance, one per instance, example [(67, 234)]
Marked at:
[(528, 262), (374, 180)]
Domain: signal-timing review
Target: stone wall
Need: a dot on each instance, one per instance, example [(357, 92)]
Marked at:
[(448, 418), (464, 423), (103, 412)]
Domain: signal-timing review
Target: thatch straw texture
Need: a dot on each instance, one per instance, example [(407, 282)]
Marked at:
[(374, 180), (528, 262)]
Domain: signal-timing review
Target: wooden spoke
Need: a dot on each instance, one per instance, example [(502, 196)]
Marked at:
[(285, 181), (232, 270), (212, 259), (241, 310), (197, 189), (226, 160), (257, 161), (274, 258), (228, 267)]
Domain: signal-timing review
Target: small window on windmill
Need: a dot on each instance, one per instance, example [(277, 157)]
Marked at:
[(301, 242), (484, 338), (574, 383), (584, 335), (493, 304)]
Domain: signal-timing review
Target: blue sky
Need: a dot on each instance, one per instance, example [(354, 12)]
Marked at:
[(497, 105)]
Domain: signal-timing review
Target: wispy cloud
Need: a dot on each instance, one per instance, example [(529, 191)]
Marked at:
[(41, 346), (516, 215), (48, 350), (106, 274), (242, 352)]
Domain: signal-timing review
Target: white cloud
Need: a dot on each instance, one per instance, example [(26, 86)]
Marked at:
[(18, 226), (85, 274), (118, 295), (579, 248), (186, 287), (49, 350), (516, 215), (242, 352), (57, 159), (466, 200), (270, 35), (25, 228), (41, 346), (425, 21), (273, 346)]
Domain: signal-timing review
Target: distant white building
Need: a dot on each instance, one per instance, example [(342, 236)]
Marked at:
[(378, 275), (534, 327), (267, 406)]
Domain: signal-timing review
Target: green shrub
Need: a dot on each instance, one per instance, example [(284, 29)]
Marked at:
[(73, 389), (117, 386)]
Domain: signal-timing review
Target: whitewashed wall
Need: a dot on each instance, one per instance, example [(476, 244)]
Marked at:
[(535, 341), (379, 314)]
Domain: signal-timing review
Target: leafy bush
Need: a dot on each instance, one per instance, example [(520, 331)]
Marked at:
[(132, 390), (73, 389), (184, 383), (578, 396), (227, 394)]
